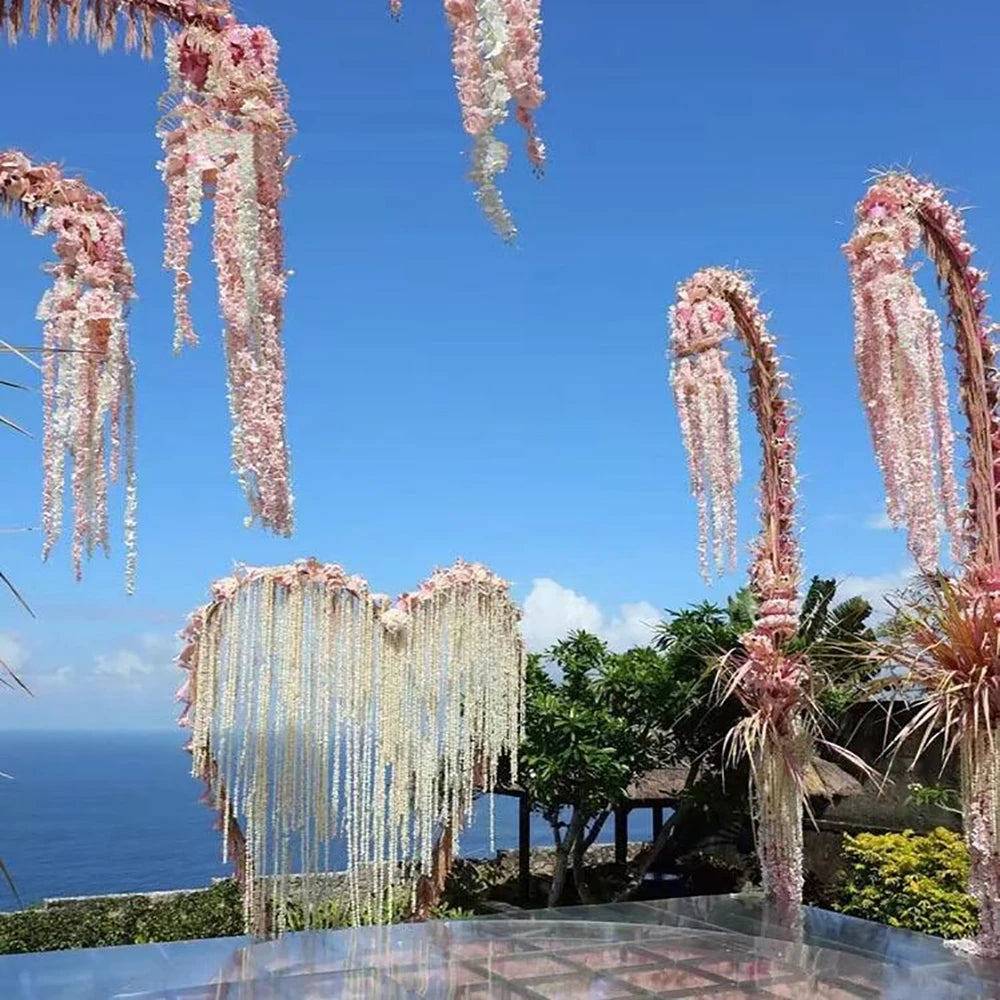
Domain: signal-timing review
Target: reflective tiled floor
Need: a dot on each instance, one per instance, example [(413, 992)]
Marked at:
[(720, 947)]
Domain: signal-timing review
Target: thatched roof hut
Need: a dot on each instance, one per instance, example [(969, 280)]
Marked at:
[(663, 785)]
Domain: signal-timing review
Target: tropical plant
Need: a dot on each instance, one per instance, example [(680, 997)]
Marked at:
[(938, 796), (948, 640)]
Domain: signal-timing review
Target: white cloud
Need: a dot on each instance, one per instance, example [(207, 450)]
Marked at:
[(159, 645), (13, 651), (874, 589), (151, 653), (879, 522), (123, 664), (551, 611), (60, 678), (18, 657)]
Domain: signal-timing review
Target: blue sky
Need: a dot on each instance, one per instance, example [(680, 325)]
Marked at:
[(448, 395)]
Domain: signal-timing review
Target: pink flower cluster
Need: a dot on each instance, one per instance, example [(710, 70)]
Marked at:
[(496, 47), (225, 138), (900, 358), (770, 683), (87, 371), (460, 576)]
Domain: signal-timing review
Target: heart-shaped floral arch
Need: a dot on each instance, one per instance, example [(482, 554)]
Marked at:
[(319, 710)]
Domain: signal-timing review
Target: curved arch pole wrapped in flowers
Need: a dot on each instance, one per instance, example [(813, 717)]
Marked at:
[(778, 731), (319, 710), (224, 130), (87, 373), (953, 657)]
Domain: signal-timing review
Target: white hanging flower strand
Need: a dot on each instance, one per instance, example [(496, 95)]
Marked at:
[(320, 711), (495, 53)]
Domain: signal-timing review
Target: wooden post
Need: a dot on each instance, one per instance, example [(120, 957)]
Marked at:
[(621, 835), (524, 850), (657, 828)]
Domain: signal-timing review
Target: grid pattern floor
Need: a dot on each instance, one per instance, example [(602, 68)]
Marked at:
[(726, 948)]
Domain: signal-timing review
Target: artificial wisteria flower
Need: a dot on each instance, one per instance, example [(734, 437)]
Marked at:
[(900, 362), (951, 642), (224, 138), (87, 379), (401, 731), (495, 53), (777, 732), (224, 135)]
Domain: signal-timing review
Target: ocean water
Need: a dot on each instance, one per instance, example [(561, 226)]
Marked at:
[(91, 813)]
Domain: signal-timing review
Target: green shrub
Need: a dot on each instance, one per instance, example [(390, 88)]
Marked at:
[(104, 922), (906, 880)]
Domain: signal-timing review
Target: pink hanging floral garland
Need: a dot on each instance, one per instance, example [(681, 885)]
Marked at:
[(951, 657), (225, 137), (900, 360), (496, 47), (87, 372), (777, 733)]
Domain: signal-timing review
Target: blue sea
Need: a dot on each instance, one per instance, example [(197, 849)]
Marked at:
[(92, 813)]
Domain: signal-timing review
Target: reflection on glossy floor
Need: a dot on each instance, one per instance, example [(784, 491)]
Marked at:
[(716, 946)]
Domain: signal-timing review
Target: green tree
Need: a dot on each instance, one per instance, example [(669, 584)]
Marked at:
[(588, 735), (597, 720)]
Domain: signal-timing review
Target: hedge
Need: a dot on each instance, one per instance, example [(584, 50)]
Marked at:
[(106, 921)]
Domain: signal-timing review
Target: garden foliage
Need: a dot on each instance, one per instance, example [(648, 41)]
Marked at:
[(908, 880)]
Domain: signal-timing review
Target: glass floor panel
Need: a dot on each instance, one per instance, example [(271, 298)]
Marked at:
[(724, 947)]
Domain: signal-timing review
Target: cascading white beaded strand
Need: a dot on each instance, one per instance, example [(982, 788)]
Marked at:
[(319, 711)]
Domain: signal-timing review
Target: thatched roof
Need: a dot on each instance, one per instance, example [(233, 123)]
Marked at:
[(662, 786), (824, 780)]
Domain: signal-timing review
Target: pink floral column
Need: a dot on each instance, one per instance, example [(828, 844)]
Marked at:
[(777, 732), (954, 656)]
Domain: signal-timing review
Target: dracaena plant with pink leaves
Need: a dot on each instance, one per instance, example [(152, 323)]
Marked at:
[(948, 639)]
